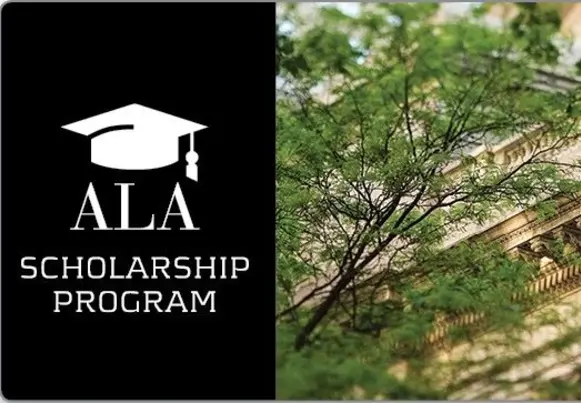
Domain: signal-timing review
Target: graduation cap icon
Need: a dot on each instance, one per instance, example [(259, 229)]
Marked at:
[(136, 137)]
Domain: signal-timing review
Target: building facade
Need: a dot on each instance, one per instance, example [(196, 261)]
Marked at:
[(526, 236)]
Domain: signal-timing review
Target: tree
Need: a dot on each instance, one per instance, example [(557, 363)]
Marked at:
[(370, 184)]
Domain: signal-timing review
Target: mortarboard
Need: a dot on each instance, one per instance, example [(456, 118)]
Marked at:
[(135, 137)]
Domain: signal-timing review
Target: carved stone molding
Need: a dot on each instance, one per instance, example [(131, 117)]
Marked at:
[(568, 213)]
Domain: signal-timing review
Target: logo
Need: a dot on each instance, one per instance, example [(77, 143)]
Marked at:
[(136, 137)]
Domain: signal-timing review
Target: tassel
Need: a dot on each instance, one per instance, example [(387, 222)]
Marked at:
[(192, 158)]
